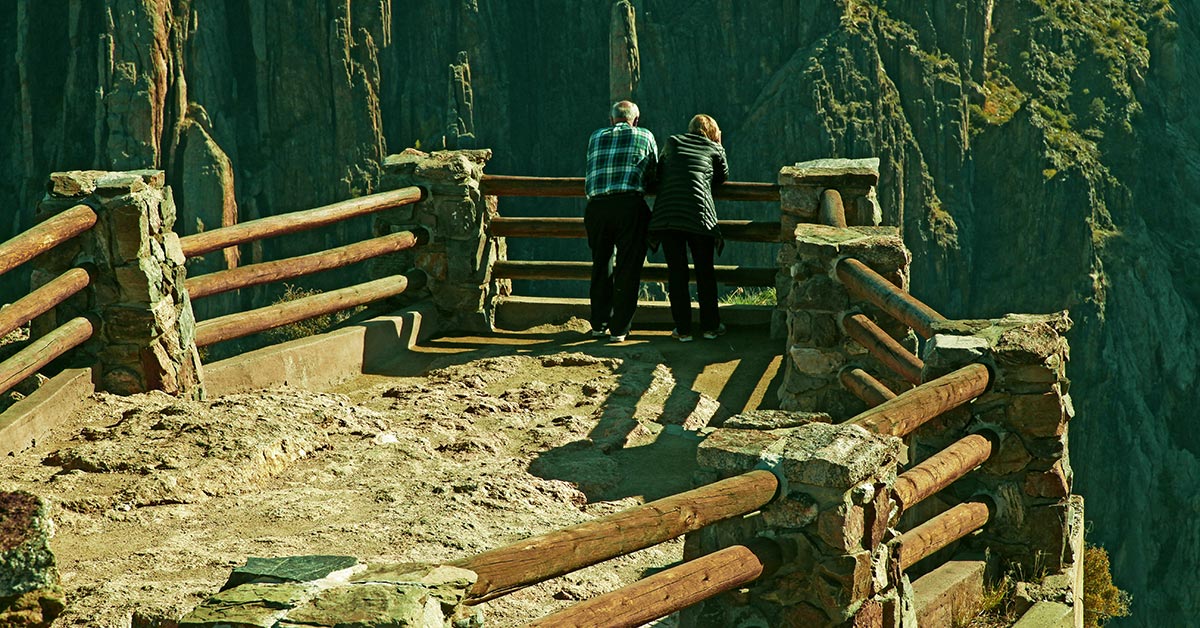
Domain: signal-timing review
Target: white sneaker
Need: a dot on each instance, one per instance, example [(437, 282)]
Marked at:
[(596, 333), (615, 338), (681, 337), (719, 331)]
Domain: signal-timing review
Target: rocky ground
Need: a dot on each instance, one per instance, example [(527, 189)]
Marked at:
[(471, 443)]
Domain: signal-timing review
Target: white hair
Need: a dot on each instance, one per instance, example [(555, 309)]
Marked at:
[(625, 110)]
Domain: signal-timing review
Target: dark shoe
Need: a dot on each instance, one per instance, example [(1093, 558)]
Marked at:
[(719, 331)]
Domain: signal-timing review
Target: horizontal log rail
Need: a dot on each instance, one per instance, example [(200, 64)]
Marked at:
[(833, 212), (886, 349), (242, 324), (870, 285), (42, 351), (912, 408), (553, 554), (547, 227), (733, 275), (283, 224), (510, 185), (43, 299), (870, 390), (670, 590), (292, 267), (939, 532), (941, 469), (45, 235)]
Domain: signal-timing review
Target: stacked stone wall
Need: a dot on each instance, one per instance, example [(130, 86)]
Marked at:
[(145, 327), (818, 349), (459, 257)]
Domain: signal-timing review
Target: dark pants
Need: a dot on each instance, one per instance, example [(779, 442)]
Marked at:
[(617, 221), (675, 246)]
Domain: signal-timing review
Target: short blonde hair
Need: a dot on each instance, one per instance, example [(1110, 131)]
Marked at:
[(705, 125)]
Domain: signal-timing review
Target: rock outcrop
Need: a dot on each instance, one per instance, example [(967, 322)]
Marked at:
[(1040, 156)]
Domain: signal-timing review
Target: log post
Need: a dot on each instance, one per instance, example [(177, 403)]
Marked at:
[(939, 470), (939, 532), (833, 213), (562, 551), (243, 324), (815, 305), (909, 410), (870, 390), (670, 590), (144, 335), (872, 286), (901, 361), (279, 270), (43, 299)]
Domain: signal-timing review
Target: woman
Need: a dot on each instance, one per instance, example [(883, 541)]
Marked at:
[(685, 217)]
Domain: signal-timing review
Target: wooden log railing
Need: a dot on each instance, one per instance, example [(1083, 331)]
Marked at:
[(870, 285), (870, 390), (939, 532), (832, 212), (40, 352), (544, 227), (242, 324), (670, 590), (878, 343), (941, 469), (292, 267), (508, 185), (42, 300), (540, 558), (737, 275), (911, 409), (45, 236), (283, 224)]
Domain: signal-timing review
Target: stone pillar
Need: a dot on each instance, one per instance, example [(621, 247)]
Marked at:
[(800, 188), (145, 338), (1028, 408), (459, 256), (817, 348), (831, 520)]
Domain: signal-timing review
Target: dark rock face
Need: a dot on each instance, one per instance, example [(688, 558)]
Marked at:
[(1039, 155)]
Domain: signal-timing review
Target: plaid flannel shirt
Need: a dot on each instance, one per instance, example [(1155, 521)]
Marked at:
[(620, 158)]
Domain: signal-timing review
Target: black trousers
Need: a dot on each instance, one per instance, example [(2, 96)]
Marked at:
[(616, 223), (675, 246)]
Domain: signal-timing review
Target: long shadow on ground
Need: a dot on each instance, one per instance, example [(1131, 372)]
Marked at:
[(644, 441)]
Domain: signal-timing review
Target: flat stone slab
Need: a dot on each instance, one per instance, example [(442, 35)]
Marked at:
[(1047, 615), (864, 172), (949, 595)]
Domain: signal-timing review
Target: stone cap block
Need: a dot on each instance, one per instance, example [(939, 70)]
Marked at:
[(1029, 351), (77, 183), (834, 173), (816, 454), (877, 247), (946, 352), (773, 419), (439, 165)]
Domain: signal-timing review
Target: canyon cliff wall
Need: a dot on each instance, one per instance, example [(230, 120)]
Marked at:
[(1040, 156)]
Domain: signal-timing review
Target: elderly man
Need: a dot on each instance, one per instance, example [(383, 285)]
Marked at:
[(622, 162)]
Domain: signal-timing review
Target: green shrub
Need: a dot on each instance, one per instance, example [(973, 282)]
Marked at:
[(310, 326), (751, 296), (1102, 600)]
